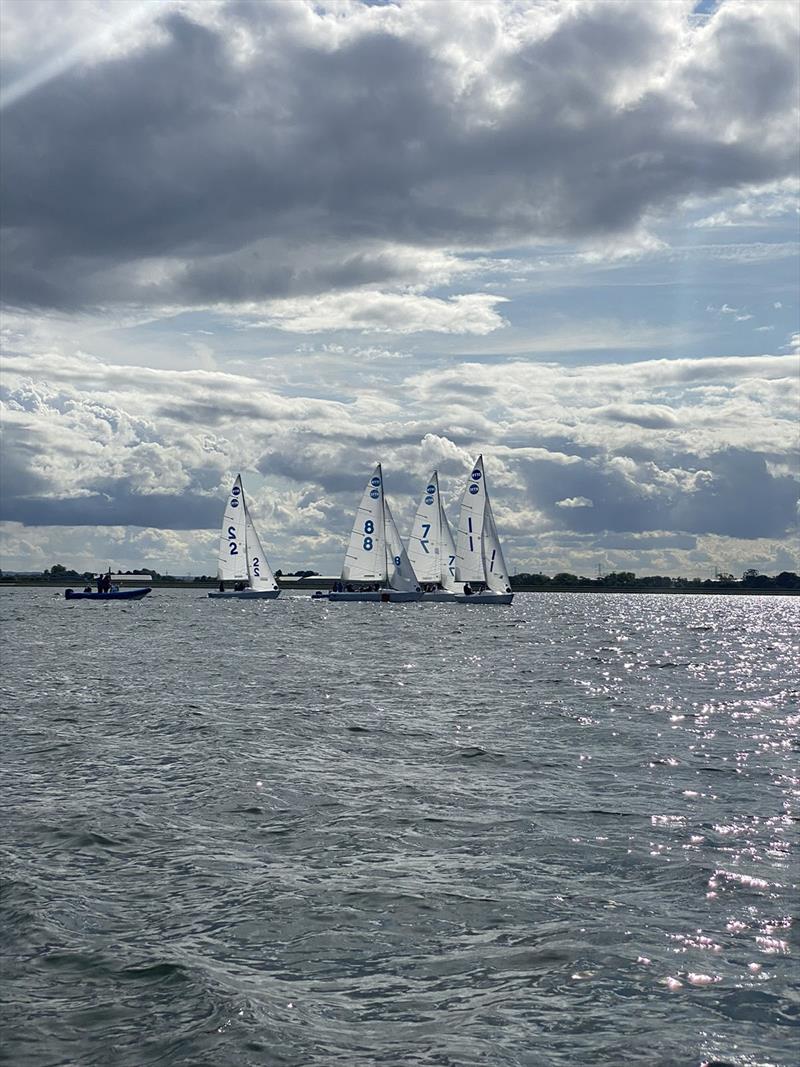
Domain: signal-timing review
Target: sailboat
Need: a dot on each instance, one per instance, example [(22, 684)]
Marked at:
[(376, 554), (431, 548), (241, 558), (479, 557)]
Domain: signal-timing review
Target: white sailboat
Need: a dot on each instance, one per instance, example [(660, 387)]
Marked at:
[(376, 554), (241, 557), (431, 548), (479, 556)]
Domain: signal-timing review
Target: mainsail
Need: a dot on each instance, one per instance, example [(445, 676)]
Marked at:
[(425, 542), (365, 559), (232, 558), (469, 537)]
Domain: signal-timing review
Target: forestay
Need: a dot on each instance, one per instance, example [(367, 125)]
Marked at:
[(232, 558), (365, 559), (469, 537), (401, 574)]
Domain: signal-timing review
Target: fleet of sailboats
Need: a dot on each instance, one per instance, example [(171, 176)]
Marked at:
[(435, 567)]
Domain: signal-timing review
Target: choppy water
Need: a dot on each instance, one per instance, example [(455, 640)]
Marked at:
[(312, 834)]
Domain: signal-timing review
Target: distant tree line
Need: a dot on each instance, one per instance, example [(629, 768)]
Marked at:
[(751, 579)]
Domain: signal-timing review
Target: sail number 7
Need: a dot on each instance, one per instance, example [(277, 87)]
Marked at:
[(426, 529)]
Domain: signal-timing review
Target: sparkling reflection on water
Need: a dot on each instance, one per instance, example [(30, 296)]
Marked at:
[(302, 833)]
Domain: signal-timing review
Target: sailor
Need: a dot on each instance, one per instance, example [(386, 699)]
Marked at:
[(101, 583), (221, 586), (467, 589)]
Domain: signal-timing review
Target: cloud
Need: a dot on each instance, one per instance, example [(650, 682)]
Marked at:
[(229, 141), (398, 313), (575, 502)]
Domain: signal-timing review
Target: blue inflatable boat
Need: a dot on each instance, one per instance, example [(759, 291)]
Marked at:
[(119, 594)]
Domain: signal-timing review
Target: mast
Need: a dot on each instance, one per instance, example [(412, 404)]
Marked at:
[(383, 525)]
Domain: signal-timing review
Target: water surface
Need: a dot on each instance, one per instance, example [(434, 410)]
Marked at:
[(300, 833)]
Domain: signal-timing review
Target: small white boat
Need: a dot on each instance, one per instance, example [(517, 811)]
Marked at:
[(480, 565), (375, 553), (241, 557), (431, 548)]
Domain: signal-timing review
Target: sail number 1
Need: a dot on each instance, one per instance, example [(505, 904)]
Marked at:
[(369, 528)]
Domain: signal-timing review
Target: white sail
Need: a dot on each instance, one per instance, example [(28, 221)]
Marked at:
[(448, 554), (401, 574), (260, 572), (232, 558), (469, 537), (495, 568), (425, 542), (365, 559)]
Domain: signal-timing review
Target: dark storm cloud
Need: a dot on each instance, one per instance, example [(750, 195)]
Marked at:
[(368, 136), (118, 504), (736, 495)]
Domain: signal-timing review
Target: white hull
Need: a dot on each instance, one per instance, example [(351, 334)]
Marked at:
[(484, 598), (382, 596), (247, 594), (441, 596)]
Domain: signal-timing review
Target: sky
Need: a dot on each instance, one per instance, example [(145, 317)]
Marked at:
[(292, 239)]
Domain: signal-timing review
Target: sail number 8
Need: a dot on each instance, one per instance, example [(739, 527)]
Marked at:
[(369, 528)]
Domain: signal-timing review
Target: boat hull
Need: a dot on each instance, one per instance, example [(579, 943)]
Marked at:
[(246, 594), (120, 594), (382, 596), (484, 598), (441, 596)]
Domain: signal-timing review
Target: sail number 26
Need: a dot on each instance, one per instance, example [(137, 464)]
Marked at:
[(369, 528)]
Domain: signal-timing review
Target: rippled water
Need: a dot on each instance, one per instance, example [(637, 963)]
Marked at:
[(305, 833)]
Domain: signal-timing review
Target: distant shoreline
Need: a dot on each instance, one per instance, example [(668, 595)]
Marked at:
[(322, 583)]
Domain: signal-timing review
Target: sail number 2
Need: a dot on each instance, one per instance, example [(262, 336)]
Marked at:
[(232, 541), (369, 528)]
